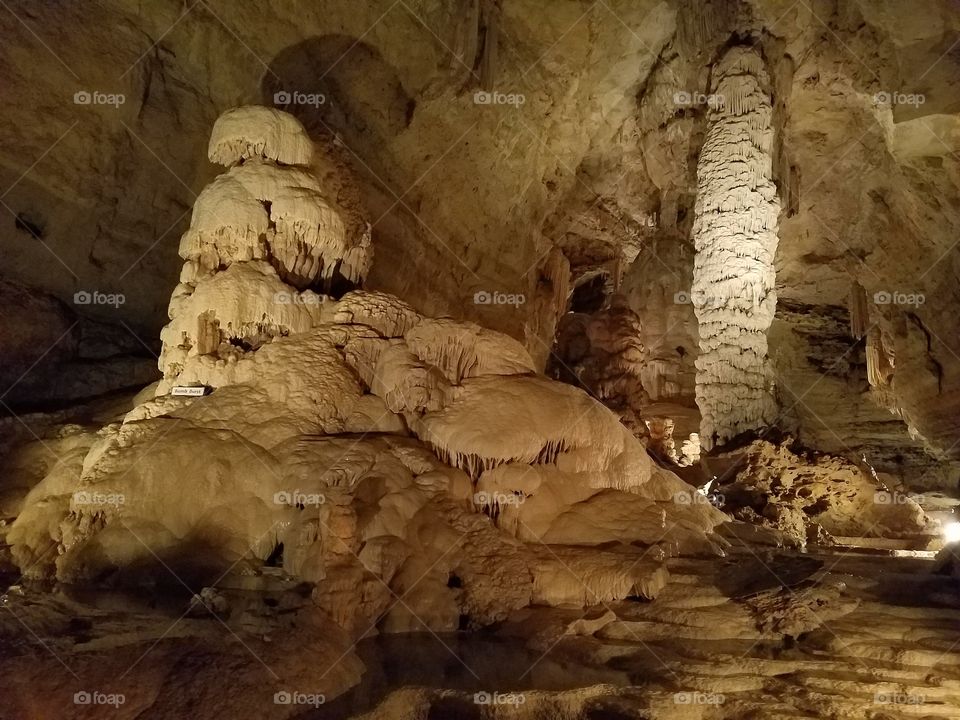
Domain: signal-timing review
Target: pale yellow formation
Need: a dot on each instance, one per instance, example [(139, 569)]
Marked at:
[(263, 238), (259, 132), (735, 233), (356, 433)]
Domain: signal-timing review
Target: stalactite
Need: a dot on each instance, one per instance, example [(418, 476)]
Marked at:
[(698, 21), (735, 235), (879, 361), (476, 465), (465, 15), (489, 40), (669, 205), (208, 333), (873, 361), (859, 311)]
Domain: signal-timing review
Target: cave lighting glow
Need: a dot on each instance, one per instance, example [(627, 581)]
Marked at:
[(951, 532)]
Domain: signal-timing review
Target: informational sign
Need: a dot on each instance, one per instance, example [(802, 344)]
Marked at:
[(189, 390)]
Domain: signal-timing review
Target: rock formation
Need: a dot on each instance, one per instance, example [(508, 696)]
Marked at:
[(462, 426), (735, 232), (268, 225), (603, 353), (817, 498), (601, 357)]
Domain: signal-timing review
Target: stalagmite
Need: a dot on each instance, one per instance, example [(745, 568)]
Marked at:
[(228, 225), (735, 234), (527, 419), (262, 236), (405, 383), (388, 315), (243, 306), (259, 132), (604, 353)]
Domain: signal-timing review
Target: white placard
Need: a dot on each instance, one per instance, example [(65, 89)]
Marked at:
[(188, 390)]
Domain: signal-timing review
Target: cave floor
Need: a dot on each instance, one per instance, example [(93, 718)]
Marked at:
[(762, 633)]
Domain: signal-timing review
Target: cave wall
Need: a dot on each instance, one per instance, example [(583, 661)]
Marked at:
[(457, 188), (591, 174)]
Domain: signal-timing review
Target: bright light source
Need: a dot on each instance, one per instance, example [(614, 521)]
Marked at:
[(951, 532)]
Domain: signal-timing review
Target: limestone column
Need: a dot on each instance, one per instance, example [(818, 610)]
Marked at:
[(735, 236)]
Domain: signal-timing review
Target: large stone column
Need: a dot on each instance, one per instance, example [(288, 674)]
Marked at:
[(735, 234)]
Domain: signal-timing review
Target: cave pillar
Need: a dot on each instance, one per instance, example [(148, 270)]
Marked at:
[(735, 236)]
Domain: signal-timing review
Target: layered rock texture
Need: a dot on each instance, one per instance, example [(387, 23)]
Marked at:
[(575, 173), (603, 352), (626, 331), (273, 231), (352, 442), (348, 462), (735, 235), (818, 499)]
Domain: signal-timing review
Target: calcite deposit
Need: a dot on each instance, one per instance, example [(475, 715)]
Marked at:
[(735, 234), (479, 359), (465, 433), (267, 224)]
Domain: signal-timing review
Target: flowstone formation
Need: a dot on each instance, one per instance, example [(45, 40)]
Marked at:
[(735, 234), (351, 443), (276, 231)]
